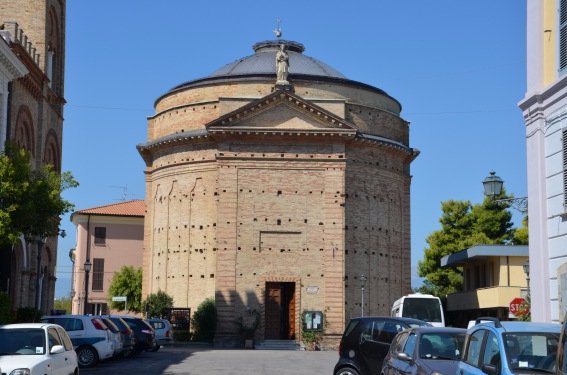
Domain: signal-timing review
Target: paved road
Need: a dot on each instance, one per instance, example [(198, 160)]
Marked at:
[(195, 360)]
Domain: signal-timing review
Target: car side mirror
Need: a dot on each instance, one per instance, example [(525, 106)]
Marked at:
[(404, 357), (489, 369), (57, 349)]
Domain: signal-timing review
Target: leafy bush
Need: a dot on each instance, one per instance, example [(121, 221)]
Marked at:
[(155, 303), (6, 315), (28, 315), (204, 321), (181, 335)]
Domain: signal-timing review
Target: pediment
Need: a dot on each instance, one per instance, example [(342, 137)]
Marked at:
[(281, 111)]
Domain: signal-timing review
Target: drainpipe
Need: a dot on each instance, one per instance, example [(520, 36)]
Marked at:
[(88, 257)]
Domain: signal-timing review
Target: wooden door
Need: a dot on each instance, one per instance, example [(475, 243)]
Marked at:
[(273, 311), (290, 292)]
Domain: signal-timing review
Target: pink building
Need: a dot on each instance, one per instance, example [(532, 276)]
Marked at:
[(108, 237)]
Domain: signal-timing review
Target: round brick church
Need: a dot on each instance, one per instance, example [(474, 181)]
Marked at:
[(272, 185)]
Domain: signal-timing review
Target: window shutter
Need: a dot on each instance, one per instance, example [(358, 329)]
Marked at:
[(98, 274), (563, 34)]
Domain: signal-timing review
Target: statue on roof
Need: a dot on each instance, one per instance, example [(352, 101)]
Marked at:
[(282, 66)]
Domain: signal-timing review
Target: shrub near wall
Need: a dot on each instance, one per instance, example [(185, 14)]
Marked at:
[(6, 315), (204, 321)]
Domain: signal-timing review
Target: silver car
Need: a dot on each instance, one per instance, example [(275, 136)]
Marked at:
[(163, 331)]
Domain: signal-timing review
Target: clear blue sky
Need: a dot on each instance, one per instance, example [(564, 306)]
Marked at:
[(457, 67)]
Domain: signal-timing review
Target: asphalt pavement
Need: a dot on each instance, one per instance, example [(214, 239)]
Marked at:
[(205, 360)]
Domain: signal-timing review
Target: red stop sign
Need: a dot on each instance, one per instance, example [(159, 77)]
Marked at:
[(518, 306)]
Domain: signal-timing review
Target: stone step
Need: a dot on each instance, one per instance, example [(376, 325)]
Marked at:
[(277, 345)]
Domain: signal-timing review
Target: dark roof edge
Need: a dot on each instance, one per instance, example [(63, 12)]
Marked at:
[(483, 251), (292, 77)]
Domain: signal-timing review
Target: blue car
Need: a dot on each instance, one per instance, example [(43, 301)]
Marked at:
[(501, 348)]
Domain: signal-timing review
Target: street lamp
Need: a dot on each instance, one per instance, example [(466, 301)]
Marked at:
[(526, 267), (493, 188), (363, 280), (40, 242), (88, 266)]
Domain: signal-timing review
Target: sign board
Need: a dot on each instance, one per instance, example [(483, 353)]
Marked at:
[(518, 307), (119, 298)]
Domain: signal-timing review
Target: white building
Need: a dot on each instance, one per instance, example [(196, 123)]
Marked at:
[(544, 108)]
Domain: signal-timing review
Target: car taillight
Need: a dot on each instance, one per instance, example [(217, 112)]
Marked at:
[(167, 333), (125, 331), (97, 324), (340, 346), (147, 332)]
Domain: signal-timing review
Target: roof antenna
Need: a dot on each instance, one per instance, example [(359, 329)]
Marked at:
[(125, 193), (278, 29)]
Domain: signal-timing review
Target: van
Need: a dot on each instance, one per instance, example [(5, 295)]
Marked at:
[(420, 306)]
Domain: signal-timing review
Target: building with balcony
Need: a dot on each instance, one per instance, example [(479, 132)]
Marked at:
[(493, 275)]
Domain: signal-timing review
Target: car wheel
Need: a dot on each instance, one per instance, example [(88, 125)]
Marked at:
[(346, 371), (87, 356), (155, 348)]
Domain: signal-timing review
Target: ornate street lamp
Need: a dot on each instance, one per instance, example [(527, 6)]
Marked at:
[(526, 267), (363, 280), (88, 266), (493, 188)]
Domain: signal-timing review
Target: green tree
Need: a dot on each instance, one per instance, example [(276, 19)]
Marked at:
[(63, 304), (462, 225), (30, 199), (127, 282), (204, 321), (156, 302)]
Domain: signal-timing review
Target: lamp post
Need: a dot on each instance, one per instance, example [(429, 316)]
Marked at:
[(88, 266), (363, 280), (39, 242), (493, 188), (526, 267)]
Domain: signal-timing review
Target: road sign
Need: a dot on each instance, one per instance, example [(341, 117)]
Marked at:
[(518, 307), (119, 298)]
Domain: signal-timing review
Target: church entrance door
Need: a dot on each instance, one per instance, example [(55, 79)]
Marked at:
[(280, 311)]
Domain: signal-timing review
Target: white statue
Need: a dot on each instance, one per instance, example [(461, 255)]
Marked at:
[(282, 66)]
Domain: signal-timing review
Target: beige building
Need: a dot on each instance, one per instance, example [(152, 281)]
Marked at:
[(493, 275), (31, 115), (107, 238), (276, 198)]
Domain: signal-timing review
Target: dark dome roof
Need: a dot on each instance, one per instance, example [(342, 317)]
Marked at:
[(263, 61)]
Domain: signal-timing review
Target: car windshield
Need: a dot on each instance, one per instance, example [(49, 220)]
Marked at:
[(22, 341), (427, 309), (446, 345), (531, 350)]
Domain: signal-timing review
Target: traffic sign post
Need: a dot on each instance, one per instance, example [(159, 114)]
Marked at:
[(518, 307), (121, 299)]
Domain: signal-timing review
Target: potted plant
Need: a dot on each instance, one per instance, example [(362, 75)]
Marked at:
[(247, 325)]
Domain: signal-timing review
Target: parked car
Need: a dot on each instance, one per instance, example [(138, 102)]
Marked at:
[(366, 342), (128, 335), (163, 332), (561, 365), (115, 335), (505, 348), (36, 348), (90, 336), (425, 351), (145, 336)]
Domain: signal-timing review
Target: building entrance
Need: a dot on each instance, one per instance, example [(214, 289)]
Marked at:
[(280, 311)]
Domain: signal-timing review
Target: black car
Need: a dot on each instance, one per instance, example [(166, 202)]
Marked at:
[(366, 342), (127, 334), (426, 351), (145, 336)]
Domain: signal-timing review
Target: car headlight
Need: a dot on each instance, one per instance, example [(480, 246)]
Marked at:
[(21, 371)]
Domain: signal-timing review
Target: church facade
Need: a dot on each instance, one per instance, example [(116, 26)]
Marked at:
[(31, 116), (272, 186)]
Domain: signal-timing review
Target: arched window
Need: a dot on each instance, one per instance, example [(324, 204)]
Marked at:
[(24, 134), (53, 58), (52, 154)]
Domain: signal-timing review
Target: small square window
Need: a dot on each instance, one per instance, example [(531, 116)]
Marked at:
[(100, 235)]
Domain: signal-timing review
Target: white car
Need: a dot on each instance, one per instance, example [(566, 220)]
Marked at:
[(90, 336), (36, 348)]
